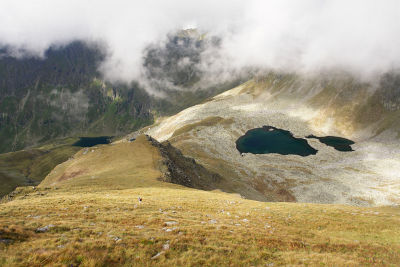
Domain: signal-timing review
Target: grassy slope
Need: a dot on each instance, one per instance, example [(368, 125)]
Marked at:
[(122, 165), (31, 166), (98, 221)]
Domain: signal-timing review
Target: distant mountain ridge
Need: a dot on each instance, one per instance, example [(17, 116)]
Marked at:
[(64, 95)]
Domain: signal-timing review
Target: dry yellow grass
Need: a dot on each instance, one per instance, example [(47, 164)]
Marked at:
[(121, 166), (110, 227), (99, 222)]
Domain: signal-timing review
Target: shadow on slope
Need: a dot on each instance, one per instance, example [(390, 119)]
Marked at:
[(31, 166)]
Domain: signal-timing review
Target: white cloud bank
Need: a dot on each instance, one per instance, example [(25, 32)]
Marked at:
[(362, 36)]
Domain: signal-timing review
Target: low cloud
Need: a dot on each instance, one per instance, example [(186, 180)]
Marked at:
[(359, 36)]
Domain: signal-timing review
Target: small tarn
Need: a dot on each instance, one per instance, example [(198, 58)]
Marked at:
[(92, 141), (338, 143)]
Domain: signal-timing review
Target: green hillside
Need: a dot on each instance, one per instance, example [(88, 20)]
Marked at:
[(61, 95)]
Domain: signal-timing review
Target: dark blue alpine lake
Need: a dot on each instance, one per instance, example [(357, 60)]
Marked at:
[(269, 139)]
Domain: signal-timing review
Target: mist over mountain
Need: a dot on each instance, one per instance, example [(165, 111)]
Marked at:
[(63, 93), (357, 36)]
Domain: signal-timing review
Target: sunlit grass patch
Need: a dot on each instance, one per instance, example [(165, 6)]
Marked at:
[(206, 228)]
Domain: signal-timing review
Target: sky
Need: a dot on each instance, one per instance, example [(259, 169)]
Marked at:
[(358, 36)]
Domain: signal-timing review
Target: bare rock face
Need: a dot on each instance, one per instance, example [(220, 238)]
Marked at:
[(182, 170)]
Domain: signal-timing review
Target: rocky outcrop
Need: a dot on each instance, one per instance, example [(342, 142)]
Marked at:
[(182, 170)]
